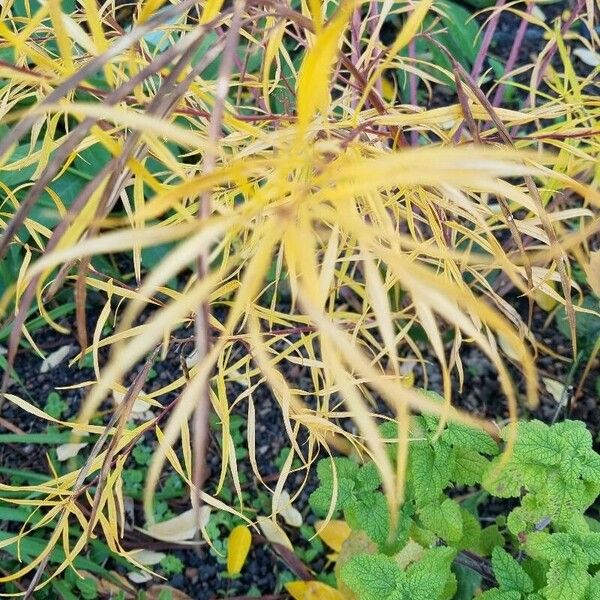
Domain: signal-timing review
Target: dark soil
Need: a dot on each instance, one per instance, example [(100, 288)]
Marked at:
[(203, 576)]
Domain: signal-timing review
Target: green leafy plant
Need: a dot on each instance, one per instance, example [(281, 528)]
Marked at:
[(378, 577), (142, 454), (55, 406), (553, 470), (513, 580), (543, 549), (457, 31), (356, 495)]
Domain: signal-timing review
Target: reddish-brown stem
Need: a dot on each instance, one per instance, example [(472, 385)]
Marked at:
[(514, 54), (202, 326)]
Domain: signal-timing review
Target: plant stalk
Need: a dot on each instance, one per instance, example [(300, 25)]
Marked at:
[(202, 326)]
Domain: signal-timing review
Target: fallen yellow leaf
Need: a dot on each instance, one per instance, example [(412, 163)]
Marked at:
[(555, 388), (334, 533), (274, 533), (238, 546), (289, 514), (182, 527), (148, 558), (69, 450), (53, 360), (109, 588), (312, 590)]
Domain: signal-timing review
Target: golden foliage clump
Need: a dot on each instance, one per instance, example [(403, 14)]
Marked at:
[(313, 219)]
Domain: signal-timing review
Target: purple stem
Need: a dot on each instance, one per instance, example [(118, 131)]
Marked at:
[(487, 40), (488, 36), (549, 56), (552, 51), (373, 14), (512, 57), (355, 31), (412, 88), (355, 40)]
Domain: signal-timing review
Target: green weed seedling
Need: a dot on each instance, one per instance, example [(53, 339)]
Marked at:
[(55, 406), (171, 565)]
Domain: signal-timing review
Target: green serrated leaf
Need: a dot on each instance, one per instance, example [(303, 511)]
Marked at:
[(443, 519), (470, 438), (490, 538), (561, 497), (469, 466), (590, 544), (559, 547), (497, 594), (468, 581), (428, 577), (503, 480), (567, 581), (558, 468), (430, 471), (374, 577), (510, 575), (594, 587), (589, 466), (471, 532), (345, 473), (538, 443), (367, 478), (370, 513)]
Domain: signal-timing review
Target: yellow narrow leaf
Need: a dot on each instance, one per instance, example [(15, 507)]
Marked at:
[(238, 546), (388, 89), (543, 300), (313, 78), (211, 10), (592, 270), (149, 9), (272, 49), (334, 533), (94, 20), (315, 12), (62, 37), (312, 590), (285, 509), (405, 35), (378, 297)]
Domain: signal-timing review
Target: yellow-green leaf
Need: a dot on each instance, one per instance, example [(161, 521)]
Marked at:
[(313, 78)]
